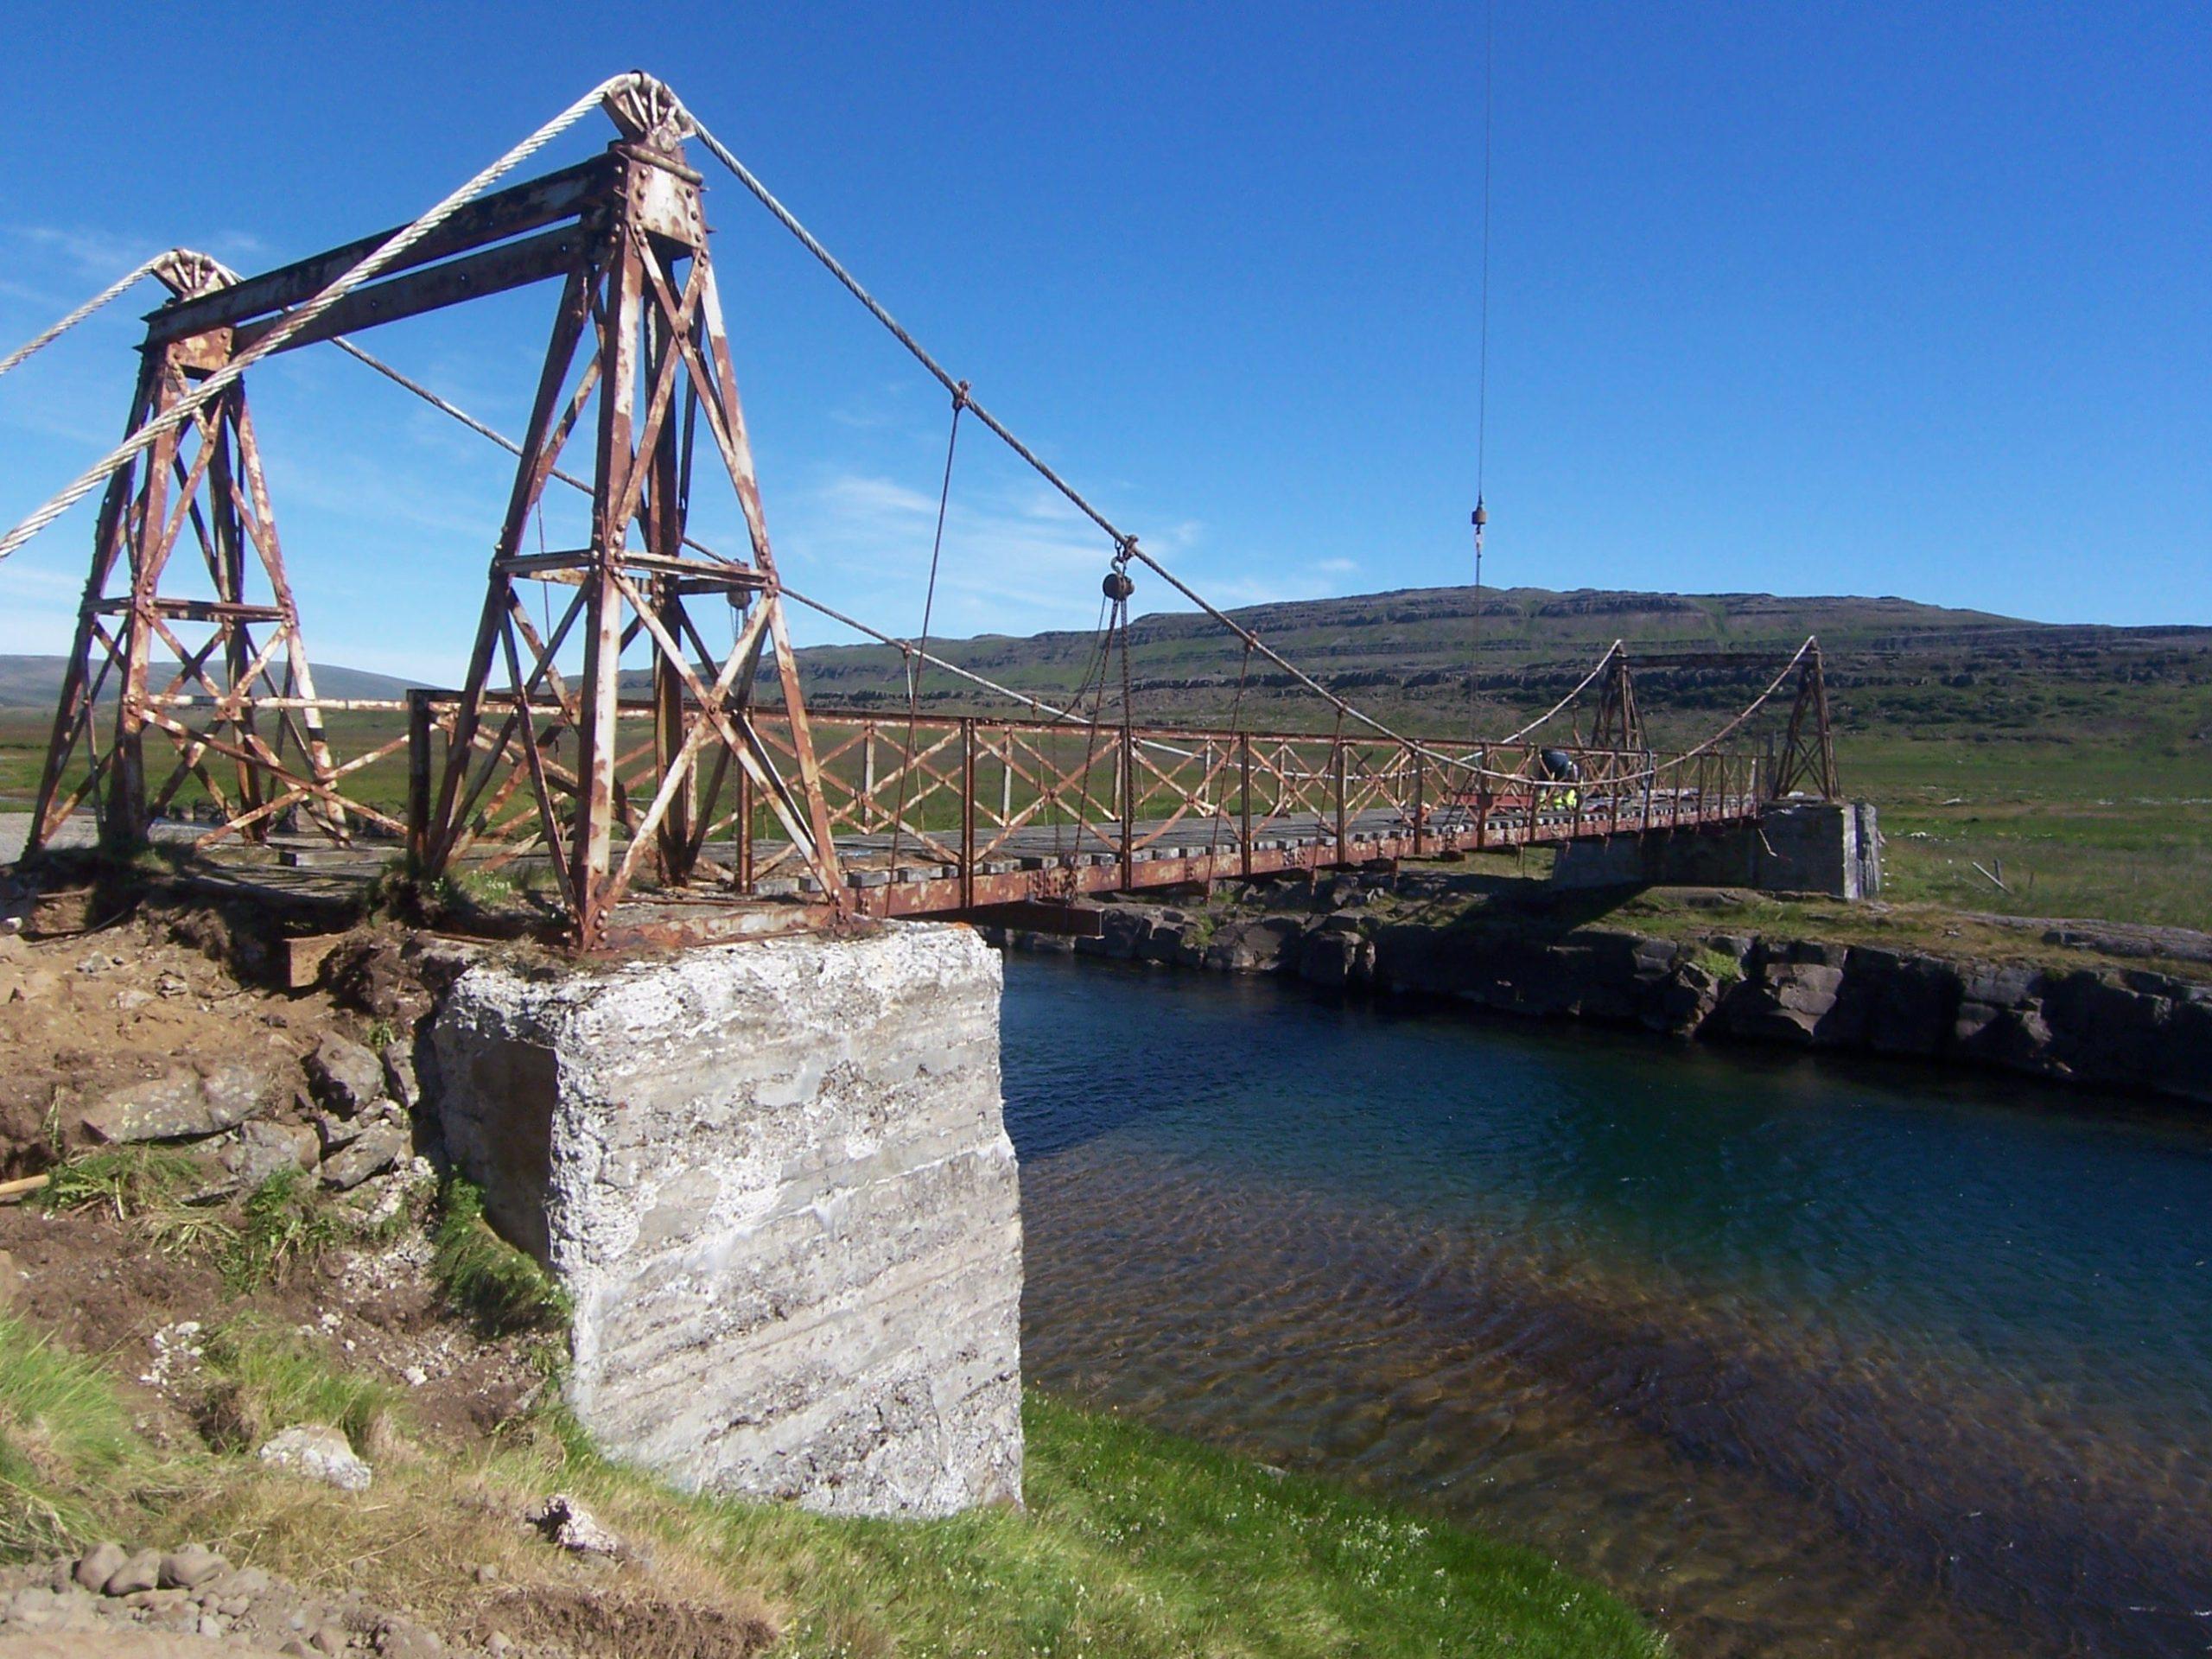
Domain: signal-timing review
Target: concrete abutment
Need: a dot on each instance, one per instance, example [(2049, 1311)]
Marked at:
[(776, 1180), (1831, 848)]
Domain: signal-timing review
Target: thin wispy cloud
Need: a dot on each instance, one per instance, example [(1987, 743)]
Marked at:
[(1017, 557)]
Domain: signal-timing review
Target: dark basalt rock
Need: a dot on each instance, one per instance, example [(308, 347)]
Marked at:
[(2127, 1029)]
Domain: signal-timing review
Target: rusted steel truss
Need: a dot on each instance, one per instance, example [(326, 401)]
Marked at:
[(236, 706), (1618, 726), (640, 359), (638, 343), (1807, 761)]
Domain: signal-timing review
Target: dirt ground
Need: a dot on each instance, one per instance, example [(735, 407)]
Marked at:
[(90, 1005)]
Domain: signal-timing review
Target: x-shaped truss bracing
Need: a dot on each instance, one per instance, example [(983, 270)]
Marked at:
[(233, 696)]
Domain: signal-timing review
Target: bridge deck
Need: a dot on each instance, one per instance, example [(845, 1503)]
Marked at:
[(1051, 862)]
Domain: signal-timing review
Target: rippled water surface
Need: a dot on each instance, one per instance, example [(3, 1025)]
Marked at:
[(1803, 1358)]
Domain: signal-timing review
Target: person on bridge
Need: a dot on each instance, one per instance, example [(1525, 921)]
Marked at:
[(1564, 775)]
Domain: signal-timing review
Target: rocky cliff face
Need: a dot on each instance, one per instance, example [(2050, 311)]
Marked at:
[(2117, 1029)]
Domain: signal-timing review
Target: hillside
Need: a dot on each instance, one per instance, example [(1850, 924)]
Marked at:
[(1893, 665), (36, 681)]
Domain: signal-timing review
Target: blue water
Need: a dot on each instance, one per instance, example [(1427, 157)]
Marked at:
[(1802, 1357)]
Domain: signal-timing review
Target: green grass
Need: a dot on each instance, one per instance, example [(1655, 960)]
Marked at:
[(127, 1181), (2111, 826), (285, 1222), (1133, 1543), (1725, 970), (264, 1380), (500, 1290), (67, 1445), (1138, 1544)]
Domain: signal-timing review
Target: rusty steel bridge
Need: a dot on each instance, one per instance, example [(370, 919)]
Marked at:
[(668, 789)]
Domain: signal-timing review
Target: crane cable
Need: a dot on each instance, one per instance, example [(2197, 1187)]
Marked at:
[(1481, 517)]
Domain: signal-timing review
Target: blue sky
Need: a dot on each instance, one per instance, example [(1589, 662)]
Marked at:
[(1804, 298)]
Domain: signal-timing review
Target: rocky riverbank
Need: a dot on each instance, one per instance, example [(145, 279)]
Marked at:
[(2098, 1022)]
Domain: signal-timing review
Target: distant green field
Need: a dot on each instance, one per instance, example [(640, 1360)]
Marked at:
[(2104, 829), (2073, 765)]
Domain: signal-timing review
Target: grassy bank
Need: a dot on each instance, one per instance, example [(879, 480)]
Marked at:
[(2091, 827), (1133, 1544)]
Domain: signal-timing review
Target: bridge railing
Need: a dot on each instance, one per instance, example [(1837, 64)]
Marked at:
[(973, 799), (947, 812)]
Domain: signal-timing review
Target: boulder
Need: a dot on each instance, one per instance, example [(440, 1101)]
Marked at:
[(1782, 1001), (190, 1568), (264, 1149), (2116, 1029), (1333, 955), (2017, 1038), (99, 1564), (1163, 935), (320, 1453), (374, 1152), (1254, 947), (1122, 930), (140, 1571), (1896, 1003), (347, 1077), (399, 1076), (567, 1523), (183, 1106), (1684, 1000), (2186, 1070)]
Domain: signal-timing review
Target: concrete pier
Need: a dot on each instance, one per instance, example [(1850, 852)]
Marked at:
[(1832, 848), (776, 1179)]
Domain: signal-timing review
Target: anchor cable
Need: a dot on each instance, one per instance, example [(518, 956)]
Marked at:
[(294, 322), (112, 291)]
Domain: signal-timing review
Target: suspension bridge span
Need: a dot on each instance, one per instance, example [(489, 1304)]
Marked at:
[(669, 788)]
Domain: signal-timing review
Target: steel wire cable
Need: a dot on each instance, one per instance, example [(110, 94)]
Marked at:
[(297, 321), (294, 322), (113, 290), (1124, 543)]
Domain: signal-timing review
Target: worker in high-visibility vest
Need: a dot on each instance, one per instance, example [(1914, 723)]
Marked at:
[(1561, 768)]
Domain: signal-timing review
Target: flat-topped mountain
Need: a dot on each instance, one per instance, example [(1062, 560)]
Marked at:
[(29, 682), (1411, 655)]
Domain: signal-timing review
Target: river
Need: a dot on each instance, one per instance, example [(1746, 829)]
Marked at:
[(1802, 1357)]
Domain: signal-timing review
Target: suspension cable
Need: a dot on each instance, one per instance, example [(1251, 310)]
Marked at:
[(1812, 643), (1586, 679), (293, 323), (113, 290), (914, 653), (1125, 545)]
